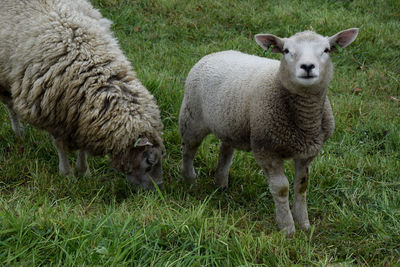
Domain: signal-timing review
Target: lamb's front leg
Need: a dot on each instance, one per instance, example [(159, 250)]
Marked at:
[(64, 167), (279, 188), (224, 163), (301, 175)]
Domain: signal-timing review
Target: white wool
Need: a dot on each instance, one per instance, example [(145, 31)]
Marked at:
[(276, 109)]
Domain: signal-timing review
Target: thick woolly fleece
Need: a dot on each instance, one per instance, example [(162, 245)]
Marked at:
[(64, 72)]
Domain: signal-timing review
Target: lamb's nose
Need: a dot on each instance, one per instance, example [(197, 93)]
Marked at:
[(307, 67)]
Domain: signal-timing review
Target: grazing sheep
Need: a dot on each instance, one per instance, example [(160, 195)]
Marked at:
[(62, 71), (278, 110)]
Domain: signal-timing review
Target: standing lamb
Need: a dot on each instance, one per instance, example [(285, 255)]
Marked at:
[(62, 70), (278, 110)]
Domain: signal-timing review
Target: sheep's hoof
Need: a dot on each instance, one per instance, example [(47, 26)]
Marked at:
[(20, 133), (221, 183), (189, 175), (17, 128), (221, 178), (190, 180), (82, 171)]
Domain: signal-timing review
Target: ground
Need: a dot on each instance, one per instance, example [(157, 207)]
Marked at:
[(354, 190)]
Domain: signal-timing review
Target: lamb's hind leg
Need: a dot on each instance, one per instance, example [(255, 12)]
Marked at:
[(301, 175), (189, 149), (192, 132), (64, 167), (279, 188), (224, 163)]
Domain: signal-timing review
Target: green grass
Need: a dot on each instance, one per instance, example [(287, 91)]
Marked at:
[(354, 193)]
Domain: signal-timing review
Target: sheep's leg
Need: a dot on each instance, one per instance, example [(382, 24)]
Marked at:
[(224, 162), (5, 97), (301, 175), (64, 167), (15, 123), (279, 188), (189, 150), (81, 165)]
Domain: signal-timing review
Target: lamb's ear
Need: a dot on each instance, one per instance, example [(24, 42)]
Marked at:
[(343, 38), (266, 40)]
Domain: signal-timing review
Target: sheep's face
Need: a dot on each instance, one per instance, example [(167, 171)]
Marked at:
[(141, 164), (306, 62)]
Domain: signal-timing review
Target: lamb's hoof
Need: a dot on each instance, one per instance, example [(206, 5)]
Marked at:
[(305, 226), (301, 218), (287, 227), (289, 230), (65, 172)]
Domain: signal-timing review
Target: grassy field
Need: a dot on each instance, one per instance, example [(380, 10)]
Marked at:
[(354, 192)]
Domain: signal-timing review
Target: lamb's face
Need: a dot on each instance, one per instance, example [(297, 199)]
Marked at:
[(306, 63), (306, 59), (142, 166)]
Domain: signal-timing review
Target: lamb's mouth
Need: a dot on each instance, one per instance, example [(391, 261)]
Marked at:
[(307, 77)]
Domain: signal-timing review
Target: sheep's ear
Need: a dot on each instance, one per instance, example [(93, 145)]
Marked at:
[(143, 142), (266, 40), (343, 38)]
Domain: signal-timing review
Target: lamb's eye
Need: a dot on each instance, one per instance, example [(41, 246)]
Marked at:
[(286, 51), (326, 50)]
